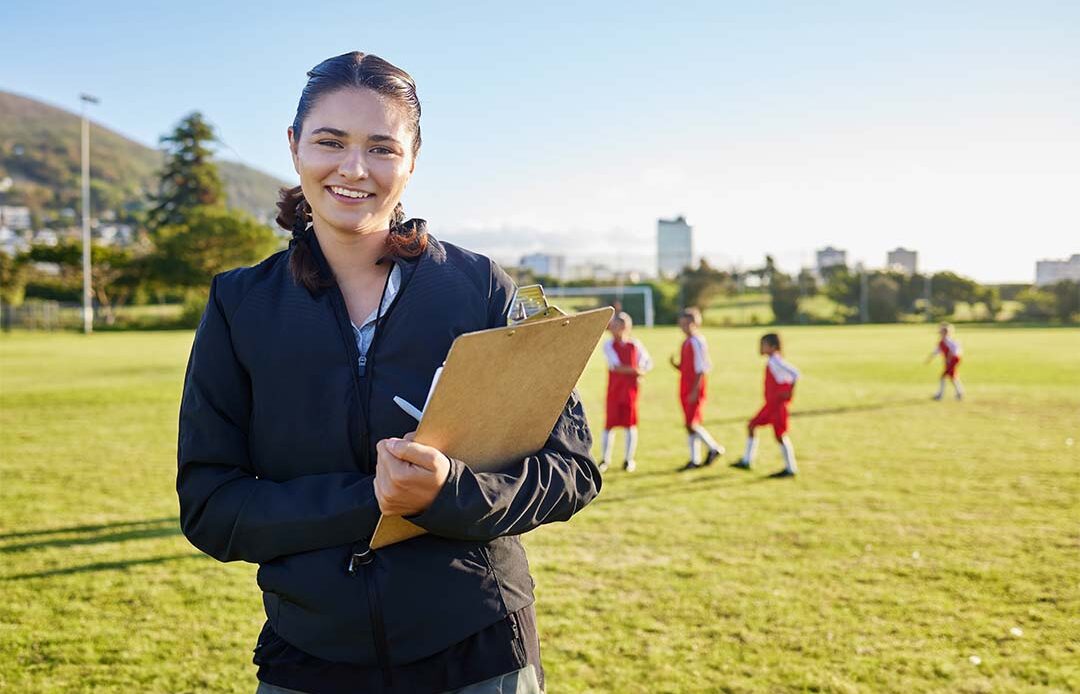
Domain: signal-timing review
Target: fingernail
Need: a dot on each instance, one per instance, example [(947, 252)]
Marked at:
[(394, 445)]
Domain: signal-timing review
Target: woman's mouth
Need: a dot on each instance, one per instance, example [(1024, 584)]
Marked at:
[(349, 195)]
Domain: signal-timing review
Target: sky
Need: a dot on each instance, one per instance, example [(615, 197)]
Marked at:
[(570, 127)]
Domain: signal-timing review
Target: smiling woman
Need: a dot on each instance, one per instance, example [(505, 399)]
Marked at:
[(291, 445)]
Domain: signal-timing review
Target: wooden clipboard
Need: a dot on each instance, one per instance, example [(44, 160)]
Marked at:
[(500, 394)]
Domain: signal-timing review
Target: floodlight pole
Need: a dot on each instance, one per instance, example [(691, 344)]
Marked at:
[(88, 301)]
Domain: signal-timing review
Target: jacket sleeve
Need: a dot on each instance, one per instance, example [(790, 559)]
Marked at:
[(552, 485), (225, 509)]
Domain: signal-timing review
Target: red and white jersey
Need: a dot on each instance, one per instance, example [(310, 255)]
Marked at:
[(949, 348), (693, 360), (618, 354), (780, 377)]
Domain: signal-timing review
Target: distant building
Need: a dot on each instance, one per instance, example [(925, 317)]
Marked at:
[(903, 260), (1054, 271), (14, 217), (674, 246), (545, 264), (830, 257)]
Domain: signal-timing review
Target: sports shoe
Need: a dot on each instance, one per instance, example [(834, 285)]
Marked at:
[(936, 397), (629, 466), (740, 465), (690, 466), (602, 467), (712, 455), (783, 473)]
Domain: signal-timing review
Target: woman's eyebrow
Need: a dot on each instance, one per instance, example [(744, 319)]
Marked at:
[(383, 138), (331, 131)]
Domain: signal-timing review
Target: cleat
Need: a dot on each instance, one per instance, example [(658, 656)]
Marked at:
[(690, 466), (782, 474), (740, 465), (602, 467), (629, 466), (712, 455)]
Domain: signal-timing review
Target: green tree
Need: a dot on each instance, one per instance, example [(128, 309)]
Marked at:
[(700, 285), (190, 178), (883, 299), (115, 273), (1066, 299), (1038, 304), (783, 297), (209, 241), (14, 273)]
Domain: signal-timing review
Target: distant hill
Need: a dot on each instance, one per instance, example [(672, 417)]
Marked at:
[(40, 150)]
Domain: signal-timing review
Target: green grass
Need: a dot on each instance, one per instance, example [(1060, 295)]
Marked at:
[(918, 535)]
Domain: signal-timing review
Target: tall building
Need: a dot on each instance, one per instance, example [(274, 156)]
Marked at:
[(903, 260), (1054, 271), (830, 257), (545, 264), (674, 246)]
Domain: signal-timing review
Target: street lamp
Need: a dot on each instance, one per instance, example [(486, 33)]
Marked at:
[(88, 304)]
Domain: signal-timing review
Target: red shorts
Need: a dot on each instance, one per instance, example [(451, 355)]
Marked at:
[(621, 413), (775, 414), (950, 367), (692, 411)]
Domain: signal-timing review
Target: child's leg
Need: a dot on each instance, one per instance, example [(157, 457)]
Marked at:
[(605, 446), (631, 443), (751, 446), (707, 439), (959, 388), (691, 440), (788, 451), (941, 389)]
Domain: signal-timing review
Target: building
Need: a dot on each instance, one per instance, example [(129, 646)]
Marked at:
[(674, 246), (830, 257), (545, 264), (1053, 271), (902, 260), (16, 218)]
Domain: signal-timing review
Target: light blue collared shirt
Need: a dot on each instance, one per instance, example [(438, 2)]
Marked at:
[(366, 332)]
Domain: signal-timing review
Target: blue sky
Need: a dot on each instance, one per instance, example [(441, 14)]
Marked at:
[(952, 128)]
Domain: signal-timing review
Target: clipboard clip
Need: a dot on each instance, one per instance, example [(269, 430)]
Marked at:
[(530, 303)]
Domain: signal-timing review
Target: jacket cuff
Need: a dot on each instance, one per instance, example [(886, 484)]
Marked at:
[(444, 512)]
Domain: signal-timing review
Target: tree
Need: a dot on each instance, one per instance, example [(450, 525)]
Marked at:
[(701, 285), (948, 288), (783, 297), (1039, 304), (883, 299), (190, 179), (209, 241), (1067, 299), (115, 273)]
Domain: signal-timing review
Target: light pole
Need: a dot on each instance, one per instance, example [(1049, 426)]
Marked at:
[(88, 302)]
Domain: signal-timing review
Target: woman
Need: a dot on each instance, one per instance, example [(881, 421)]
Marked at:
[(290, 444)]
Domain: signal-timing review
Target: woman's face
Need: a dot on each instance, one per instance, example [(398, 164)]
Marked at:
[(354, 156)]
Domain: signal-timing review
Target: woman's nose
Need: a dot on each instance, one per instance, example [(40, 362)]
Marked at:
[(353, 165)]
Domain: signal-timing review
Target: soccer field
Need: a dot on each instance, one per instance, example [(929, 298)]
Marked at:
[(926, 546)]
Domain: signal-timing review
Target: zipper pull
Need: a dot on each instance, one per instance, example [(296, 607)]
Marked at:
[(363, 365), (358, 559)]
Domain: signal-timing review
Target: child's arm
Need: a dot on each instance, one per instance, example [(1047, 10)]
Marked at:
[(674, 363)]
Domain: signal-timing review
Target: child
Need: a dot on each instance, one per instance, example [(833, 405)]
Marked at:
[(950, 350), (627, 362), (693, 365), (780, 378)]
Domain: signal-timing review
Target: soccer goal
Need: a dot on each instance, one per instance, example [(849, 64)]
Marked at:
[(637, 300)]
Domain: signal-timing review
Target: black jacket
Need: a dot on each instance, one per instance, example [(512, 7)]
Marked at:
[(276, 452)]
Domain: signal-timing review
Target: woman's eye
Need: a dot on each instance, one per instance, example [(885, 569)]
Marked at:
[(330, 143), (381, 150)]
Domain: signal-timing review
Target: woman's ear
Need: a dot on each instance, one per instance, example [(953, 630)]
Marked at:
[(293, 145)]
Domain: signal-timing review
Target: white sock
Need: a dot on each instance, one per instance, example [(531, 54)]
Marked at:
[(941, 388), (605, 446), (692, 440), (751, 449), (959, 388), (631, 443), (704, 436), (788, 451)]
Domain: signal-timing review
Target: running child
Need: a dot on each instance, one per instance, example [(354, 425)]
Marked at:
[(780, 378), (693, 365), (949, 348), (627, 361)]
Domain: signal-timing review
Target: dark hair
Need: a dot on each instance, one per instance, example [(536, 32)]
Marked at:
[(356, 70), (771, 339), (692, 313)]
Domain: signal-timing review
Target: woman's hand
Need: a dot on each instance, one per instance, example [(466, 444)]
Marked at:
[(408, 475)]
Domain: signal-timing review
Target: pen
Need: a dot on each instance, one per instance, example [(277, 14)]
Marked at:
[(408, 407)]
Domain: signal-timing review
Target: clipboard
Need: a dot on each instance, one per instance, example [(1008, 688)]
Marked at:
[(500, 394)]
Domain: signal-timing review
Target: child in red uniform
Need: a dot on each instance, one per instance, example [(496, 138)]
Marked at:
[(693, 364), (627, 362), (780, 378), (950, 350)]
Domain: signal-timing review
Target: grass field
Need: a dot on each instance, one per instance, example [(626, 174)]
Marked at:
[(920, 534)]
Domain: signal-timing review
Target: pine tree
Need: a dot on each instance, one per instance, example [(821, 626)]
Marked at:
[(190, 179)]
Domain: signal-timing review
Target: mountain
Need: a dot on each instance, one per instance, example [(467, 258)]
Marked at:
[(40, 151)]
